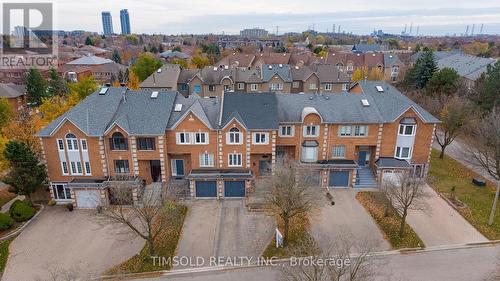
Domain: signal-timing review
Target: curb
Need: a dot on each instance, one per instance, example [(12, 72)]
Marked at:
[(201, 270), (20, 229)]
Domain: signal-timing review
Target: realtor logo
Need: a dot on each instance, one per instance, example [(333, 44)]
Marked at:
[(28, 39)]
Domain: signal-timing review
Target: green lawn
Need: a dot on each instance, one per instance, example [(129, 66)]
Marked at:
[(166, 246), (446, 173), (4, 253), (375, 203)]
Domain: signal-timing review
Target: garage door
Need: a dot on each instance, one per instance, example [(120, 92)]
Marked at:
[(206, 189), (234, 189), (339, 179), (87, 198)]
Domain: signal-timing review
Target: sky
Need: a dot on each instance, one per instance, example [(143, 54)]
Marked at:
[(433, 17)]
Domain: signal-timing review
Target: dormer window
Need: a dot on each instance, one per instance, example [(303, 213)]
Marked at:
[(118, 142), (406, 130)]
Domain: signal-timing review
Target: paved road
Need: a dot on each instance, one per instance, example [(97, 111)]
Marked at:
[(223, 228), (472, 264), (63, 242), (349, 219), (457, 150), (437, 223)]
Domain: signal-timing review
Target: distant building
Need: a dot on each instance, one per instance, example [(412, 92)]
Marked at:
[(125, 21), (107, 23), (254, 32)]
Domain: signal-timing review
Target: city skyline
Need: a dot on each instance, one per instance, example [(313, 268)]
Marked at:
[(445, 17)]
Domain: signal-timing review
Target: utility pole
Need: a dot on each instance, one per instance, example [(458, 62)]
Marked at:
[(473, 27), (481, 30), (277, 28), (411, 27), (333, 29), (339, 29), (467, 31)]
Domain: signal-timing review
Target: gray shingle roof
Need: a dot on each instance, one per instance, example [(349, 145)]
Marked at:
[(283, 71), (207, 109), (367, 48), (90, 60), (389, 162), (11, 90), (134, 111), (466, 66), (256, 111), (166, 78)]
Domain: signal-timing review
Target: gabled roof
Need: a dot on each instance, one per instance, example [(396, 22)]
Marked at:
[(10, 90), (206, 109), (165, 78), (90, 60), (134, 111), (174, 54), (255, 111), (363, 48), (391, 59), (270, 70), (328, 73)]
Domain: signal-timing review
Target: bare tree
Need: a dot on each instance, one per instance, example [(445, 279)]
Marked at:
[(338, 262), (147, 219), (484, 152), (404, 191), (456, 114), (294, 192)]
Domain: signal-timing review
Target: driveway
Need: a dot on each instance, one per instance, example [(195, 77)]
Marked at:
[(68, 243), (346, 219), (224, 229), (437, 223)]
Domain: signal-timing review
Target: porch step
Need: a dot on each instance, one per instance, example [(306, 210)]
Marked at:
[(365, 178)]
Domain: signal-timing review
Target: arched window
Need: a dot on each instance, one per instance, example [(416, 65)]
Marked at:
[(234, 136), (71, 141), (118, 142)]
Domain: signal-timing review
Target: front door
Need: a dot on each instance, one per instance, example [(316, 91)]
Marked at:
[(177, 167), (362, 158), (264, 167), (155, 170)]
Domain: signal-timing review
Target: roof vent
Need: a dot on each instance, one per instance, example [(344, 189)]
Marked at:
[(373, 55), (154, 94), (226, 66), (296, 67), (281, 65), (327, 97), (215, 68), (365, 102), (178, 107), (311, 97), (159, 70), (270, 67), (379, 89), (103, 91), (358, 55)]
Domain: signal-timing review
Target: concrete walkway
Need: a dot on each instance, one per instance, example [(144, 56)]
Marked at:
[(6, 206), (347, 219), (437, 223)]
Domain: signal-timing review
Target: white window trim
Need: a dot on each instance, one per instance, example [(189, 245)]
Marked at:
[(238, 155), (67, 168), (292, 131), (353, 131), (303, 153), (304, 131), (345, 86), (89, 172), (58, 141), (313, 86), (228, 138), (241, 86), (410, 152), (254, 87), (86, 144), (210, 158), (178, 138), (206, 138), (254, 138), (328, 87), (76, 173), (56, 196), (338, 157), (404, 129)]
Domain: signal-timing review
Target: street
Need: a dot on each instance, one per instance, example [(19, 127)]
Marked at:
[(470, 264)]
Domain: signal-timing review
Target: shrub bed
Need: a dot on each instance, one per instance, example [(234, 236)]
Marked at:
[(21, 211)]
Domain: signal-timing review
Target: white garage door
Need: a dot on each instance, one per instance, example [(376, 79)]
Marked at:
[(87, 198)]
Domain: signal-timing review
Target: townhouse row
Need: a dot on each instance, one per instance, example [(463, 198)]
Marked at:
[(216, 147)]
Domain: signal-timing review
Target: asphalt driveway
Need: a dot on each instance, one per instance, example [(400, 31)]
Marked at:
[(347, 219), (224, 229), (437, 223), (68, 243)]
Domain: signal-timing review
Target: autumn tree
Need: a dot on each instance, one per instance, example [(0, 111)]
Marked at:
[(23, 128), (36, 87), (116, 56), (293, 192), (404, 192), (26, 174), (84, 87), (6, 112), (145, 65), (376, 75), (200, 61), (359, 74), (133, 81)]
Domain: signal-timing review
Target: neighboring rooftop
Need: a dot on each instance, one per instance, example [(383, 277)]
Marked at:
[(165, 77), (10, 90), (90, 60)]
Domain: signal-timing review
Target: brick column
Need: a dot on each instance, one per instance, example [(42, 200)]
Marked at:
[(324, 153), (426, 169), (191, 188), (379, 140), (134, 155), (103, 157), (247, 145), (273, 152), (219, 150), (161, 150)]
